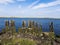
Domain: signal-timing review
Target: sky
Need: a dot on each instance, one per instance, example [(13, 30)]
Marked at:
[(30, 8)]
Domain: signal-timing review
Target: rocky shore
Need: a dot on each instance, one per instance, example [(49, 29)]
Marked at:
[(33, 32)]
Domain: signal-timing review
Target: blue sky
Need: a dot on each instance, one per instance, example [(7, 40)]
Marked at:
[(30, 8)]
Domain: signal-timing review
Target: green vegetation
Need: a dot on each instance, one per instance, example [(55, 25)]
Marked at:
[(23, 41), (19, 41)]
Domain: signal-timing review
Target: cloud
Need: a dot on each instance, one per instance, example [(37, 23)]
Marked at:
[(51, 12), (9, 1), (35, 2), (19, 6), (6, 1), (43, 5)]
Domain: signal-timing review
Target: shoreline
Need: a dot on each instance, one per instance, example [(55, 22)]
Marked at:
[(32, 17)]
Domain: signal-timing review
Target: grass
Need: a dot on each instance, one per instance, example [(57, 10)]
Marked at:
[(21, 41)]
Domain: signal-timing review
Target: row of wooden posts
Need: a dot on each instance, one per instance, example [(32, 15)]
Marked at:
[(10, 25), (30, 24)]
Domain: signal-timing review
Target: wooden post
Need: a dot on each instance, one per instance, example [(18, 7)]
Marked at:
[(29, 24), (51, 33), (23, 24), (6, 26), (12, 26)]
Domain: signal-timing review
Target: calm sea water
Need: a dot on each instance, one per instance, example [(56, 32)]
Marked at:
[(44, 21)]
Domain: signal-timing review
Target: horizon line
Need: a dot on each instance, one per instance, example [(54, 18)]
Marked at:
[(30, 17)]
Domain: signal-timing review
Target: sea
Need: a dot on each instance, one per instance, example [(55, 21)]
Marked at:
[(45, 22)]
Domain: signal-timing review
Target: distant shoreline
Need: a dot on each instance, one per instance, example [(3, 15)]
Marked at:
[(31, 17)]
